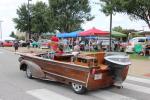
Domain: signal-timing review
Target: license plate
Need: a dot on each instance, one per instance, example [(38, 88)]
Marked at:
[(97, 76)]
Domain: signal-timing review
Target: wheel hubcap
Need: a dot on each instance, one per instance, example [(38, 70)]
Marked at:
[(28, 72), (77, 87)]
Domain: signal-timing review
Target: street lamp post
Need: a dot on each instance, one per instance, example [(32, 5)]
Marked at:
[(110, 48), (1, 29), (110, 36)]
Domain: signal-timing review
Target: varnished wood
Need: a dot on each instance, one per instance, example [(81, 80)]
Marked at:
[(65, 71)]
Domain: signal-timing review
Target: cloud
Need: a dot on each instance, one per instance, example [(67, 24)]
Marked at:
[(8, 12)]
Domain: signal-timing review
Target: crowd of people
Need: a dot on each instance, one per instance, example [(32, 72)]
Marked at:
[(62, 45), (84, 44)]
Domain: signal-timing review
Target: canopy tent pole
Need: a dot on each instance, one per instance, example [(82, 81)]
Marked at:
[(72, 43), (89, 43), (110, 31)]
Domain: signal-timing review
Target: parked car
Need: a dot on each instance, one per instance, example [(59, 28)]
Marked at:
[(133, 42), (22, 43), (43, 43), (7, 44)]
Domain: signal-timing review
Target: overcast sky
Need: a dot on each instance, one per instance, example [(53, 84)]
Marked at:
[(8, 11)]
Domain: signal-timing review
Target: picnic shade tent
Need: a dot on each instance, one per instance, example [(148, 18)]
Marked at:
[(118, 34), (93, 32), (68, 35), (8, 39), (61, 35), (73, 34), (137, 34)]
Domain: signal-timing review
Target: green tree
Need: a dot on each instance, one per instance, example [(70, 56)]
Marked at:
[(118, 29), (22, 20), (68, 15), (12, 35), (39, 18), (137, 9), (62, 15), (20, 37)]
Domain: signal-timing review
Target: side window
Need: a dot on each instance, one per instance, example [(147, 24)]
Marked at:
[(141, 40)]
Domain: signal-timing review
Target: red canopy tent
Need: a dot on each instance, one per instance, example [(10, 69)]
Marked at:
[(92, 32)]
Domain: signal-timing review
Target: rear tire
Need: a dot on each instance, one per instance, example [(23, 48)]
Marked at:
[(79, 89), (28, 73)]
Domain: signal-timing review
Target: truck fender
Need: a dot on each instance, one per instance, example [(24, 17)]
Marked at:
[(34, 68)]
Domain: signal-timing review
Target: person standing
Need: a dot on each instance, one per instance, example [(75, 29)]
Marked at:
[(54, 38), (77, 48), (54, 44), (16, 45), (28, 44)]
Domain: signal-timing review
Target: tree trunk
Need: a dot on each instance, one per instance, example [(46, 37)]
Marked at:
[(148, 23)]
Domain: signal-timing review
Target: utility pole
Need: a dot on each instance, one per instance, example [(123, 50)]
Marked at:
[(29, 21), (1, 29), (110, 36)]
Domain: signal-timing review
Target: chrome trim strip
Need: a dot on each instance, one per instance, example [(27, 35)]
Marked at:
[(64, 77), (87, 79)]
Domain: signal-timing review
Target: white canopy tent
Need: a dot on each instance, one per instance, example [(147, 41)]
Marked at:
[(8, 39)]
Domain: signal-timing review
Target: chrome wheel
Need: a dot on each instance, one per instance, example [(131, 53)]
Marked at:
[(79, 89), (28, 73)]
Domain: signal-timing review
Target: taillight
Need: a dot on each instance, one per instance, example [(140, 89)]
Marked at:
[(93, 71), (96, 74)]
